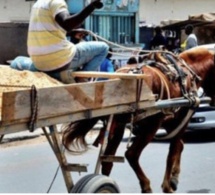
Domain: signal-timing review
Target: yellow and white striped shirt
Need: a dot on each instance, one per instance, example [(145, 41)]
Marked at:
[(48, 46)]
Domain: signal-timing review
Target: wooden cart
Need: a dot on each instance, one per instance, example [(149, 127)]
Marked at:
[(46, 107)]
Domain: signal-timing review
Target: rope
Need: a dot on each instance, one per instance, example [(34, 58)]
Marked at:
[(53, 180), (34, 108), (135, 50), (131, 127), (138, 92), (34, 103), (163, 81)]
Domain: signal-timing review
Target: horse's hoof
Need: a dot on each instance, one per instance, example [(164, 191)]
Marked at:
[(168, 191), (147, 190), (174, 183)]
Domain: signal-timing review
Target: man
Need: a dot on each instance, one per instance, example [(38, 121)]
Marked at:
[(191, 40), (158, 40), (48, 46)]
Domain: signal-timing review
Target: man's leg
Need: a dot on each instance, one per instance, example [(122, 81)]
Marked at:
[(90, 55)]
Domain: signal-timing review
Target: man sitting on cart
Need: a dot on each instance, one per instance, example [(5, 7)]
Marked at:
[(48, 46)]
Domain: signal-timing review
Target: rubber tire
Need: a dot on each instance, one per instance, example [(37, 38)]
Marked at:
[(81, 183), (95, 183)]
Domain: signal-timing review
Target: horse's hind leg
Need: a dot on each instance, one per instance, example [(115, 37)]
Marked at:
[(114, 139), (170, 181), (113, 144)]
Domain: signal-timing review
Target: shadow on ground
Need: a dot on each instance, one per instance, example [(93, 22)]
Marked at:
[(197, 136), (200, 136)]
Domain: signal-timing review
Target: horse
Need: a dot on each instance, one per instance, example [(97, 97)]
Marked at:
[(197, 67)]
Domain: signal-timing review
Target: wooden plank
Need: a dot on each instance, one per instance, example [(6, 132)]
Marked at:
[(108, 75), (16, 126), (73, 98), (111, 158), (76, 168)]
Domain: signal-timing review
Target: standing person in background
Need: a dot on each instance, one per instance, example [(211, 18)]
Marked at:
[(158, 40), (107, 65), (191, 40), (48, 46)]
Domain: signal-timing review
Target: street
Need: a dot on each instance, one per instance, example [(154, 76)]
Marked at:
[(30, 165)]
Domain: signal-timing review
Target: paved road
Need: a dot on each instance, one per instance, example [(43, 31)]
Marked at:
[(30, 166)]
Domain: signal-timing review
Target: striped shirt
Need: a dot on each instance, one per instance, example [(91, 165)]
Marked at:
[(48, 46)]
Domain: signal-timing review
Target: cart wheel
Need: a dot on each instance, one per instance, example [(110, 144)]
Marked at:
[(95, 183)]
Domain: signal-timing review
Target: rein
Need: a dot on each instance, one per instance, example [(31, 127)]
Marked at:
[(163, 82), (135, 51), (172, 58)]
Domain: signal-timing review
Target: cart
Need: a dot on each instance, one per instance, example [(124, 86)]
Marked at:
[(29, 109)]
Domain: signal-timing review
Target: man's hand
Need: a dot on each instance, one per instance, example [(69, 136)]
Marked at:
[(97, 4), (80, 30)]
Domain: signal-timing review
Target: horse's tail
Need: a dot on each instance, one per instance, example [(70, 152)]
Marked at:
[(74, 133)]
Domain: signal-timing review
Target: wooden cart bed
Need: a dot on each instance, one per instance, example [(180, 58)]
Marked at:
[(58, 103)]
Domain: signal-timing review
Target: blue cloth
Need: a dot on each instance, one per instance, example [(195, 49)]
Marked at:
[(23, 63), (106, 66)]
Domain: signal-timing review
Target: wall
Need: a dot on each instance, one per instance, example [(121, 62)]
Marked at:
[(151, 11), (13, 41), (15, 10), (13, 28), (154, 11)]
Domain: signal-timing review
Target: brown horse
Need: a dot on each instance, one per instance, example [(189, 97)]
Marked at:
[(195, 63)]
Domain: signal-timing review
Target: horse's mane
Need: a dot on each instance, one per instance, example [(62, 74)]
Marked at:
[(196, 54), (201, 60)]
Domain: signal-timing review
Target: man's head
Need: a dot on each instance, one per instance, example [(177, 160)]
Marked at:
[(188, 29), (158, 30)]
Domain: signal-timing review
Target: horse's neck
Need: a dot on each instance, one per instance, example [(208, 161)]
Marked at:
[(205, 69)]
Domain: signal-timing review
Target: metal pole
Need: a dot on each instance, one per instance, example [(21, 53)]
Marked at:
[(179, 102)]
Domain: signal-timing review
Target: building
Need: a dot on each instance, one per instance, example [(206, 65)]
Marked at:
[(118, 21)]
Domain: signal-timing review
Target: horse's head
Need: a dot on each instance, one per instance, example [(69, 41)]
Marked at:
[(202, 61)]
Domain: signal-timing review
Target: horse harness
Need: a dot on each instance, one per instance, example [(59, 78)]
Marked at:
[(168, 65)]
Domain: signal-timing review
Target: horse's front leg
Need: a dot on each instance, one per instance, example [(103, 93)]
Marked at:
[(172, 172), (145, 133), (132, 154)]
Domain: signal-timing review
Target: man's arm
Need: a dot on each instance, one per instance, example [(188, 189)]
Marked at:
[(69, 22)]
